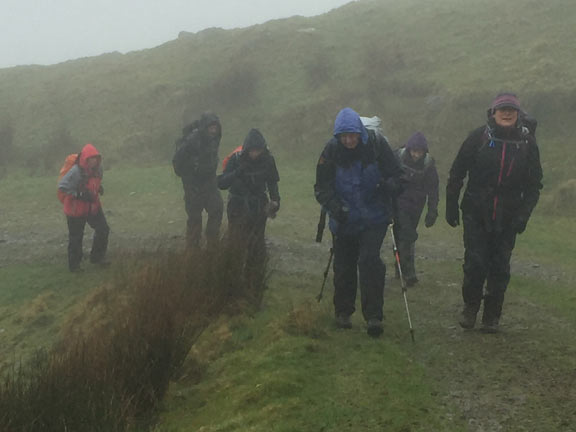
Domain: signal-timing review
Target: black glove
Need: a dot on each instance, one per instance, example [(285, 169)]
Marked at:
[(340, 215), (84, 196), (452, 212), (430, 218), (272, 209), (519, 224), (101, 190)]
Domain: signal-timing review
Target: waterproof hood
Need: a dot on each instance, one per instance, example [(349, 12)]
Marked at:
[(254, 140), (349, 121), (87, 152), (208, 119), (417, 142)]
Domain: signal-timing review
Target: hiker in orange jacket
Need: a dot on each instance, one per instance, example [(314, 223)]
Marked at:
[(82, 188)]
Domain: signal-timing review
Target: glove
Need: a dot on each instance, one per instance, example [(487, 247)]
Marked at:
[(452, 212), (340, 215), (519, 224), (101, 190), (272, 209), (83, 196), (430, 218)]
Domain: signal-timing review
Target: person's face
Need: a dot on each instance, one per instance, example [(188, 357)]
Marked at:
[(350, 140), (212, 130), (506, 116), (92, 162), (416, 155), (255, 153)]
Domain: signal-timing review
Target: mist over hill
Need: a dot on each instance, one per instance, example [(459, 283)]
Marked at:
[(419, 65)]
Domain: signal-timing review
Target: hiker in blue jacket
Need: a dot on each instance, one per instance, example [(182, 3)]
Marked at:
[(357, 176)]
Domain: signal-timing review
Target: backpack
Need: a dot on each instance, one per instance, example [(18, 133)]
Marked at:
[(71, 160), (375, 124), (227, 158)]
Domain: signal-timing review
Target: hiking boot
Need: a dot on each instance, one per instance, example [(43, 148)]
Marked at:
[(468, 317), (374, 327), (343, 322), (490, 326)]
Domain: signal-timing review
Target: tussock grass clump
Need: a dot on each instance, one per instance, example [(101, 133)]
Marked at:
[(118, 353), (305, 320)]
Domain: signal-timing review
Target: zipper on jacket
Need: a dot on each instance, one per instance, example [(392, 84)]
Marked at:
[(502, 161)]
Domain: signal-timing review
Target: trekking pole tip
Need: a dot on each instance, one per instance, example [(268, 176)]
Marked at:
[(412, 335)]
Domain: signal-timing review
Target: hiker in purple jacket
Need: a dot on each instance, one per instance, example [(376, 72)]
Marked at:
[(420, 186)]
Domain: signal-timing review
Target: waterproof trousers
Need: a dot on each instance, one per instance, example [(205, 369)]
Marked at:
[(486, 262), (200, 197), (246, 231), (359, 254), (406, 235), (76, 235)]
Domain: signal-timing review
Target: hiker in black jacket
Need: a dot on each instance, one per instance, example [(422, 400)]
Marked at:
[(502, 162), (252, 179), (195, 162), (420, 186)]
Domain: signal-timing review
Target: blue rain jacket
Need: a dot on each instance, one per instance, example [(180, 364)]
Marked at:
[(358, 185)]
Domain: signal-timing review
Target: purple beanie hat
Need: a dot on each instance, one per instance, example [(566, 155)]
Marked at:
[(503, 100), (417, 142)]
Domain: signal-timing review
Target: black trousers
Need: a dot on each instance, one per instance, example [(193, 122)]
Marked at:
[(246, 231), (197, 199), (486, 261), (76, 235), (359, 254), (406, 234)]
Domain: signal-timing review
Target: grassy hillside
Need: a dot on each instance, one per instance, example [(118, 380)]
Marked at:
[(430, 66)]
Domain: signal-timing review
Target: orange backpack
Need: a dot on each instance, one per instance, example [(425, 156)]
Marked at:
[(227, 158), (71, 160)]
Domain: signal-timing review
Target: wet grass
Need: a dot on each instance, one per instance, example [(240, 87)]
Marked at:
[(286, 367), (115, 356)]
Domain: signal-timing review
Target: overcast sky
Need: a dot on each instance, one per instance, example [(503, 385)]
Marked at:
[(52, 31)]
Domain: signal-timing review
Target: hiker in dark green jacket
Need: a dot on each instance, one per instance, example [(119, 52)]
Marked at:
[(195, 162)]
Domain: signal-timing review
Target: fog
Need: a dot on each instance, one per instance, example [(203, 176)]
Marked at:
[(51, 31)]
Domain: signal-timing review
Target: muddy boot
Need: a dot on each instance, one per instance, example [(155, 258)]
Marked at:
[(468, 316), (343, 322), (374, 327), (491, 314), (491, 326)]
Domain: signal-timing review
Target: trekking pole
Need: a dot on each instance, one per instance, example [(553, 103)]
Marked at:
[(404, 290), (319, 235), (321, 225), (319, 296)]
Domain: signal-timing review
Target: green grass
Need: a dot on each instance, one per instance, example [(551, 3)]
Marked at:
[(281, 382), (286, 367), (35, 299)]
